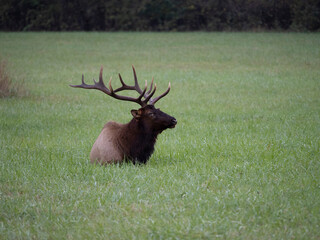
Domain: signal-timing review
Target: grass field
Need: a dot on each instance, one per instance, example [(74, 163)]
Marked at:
[(242, 163)]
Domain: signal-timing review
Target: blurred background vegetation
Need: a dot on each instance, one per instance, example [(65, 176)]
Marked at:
[(159, 15)]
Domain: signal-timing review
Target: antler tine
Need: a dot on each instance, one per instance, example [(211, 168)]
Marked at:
[(148, 97), (100, 83), (100, 77), (136, 84), (127, 87), (97, 85), (151, 85), (153, 101), (125, 98), (124, 86), (122, 82), (144, 91), (110, 87), (81, 85), (82, 80)]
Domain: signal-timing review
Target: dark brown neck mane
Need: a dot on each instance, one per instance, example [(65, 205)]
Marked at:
[(137, 141)]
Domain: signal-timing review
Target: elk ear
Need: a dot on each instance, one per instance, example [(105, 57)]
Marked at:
[(136, 114)]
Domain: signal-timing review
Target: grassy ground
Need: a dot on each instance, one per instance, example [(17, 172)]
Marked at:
[(242, 163)]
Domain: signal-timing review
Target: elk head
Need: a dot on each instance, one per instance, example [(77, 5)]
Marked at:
[(154, 119)]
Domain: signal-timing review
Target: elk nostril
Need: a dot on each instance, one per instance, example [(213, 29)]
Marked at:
[(174, 121)]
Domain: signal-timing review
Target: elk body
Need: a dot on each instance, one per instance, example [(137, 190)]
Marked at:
[(135, 140)]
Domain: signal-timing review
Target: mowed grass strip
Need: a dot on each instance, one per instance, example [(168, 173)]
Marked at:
[(242, 163)]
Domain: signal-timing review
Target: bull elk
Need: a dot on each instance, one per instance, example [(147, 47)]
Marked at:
[(135, 140)]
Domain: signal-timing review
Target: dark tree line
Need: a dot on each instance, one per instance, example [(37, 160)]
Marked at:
[(159, 15)]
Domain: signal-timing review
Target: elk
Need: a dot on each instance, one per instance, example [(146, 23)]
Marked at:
[(135, 140)]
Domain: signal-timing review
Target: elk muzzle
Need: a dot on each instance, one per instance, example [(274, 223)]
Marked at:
[(173, 123)]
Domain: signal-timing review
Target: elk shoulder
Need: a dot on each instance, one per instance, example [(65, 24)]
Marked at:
[(105, 149)]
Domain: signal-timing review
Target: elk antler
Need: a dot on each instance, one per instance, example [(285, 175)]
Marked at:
[(147, 95)]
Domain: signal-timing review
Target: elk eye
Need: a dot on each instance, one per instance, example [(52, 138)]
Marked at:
[(151, 114)]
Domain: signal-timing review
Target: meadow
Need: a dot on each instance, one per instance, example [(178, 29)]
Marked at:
[(242, 162)]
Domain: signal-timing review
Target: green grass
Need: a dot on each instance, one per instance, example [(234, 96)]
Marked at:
[(242, 163)]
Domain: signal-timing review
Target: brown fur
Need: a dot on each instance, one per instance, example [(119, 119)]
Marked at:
[(133, 141)]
